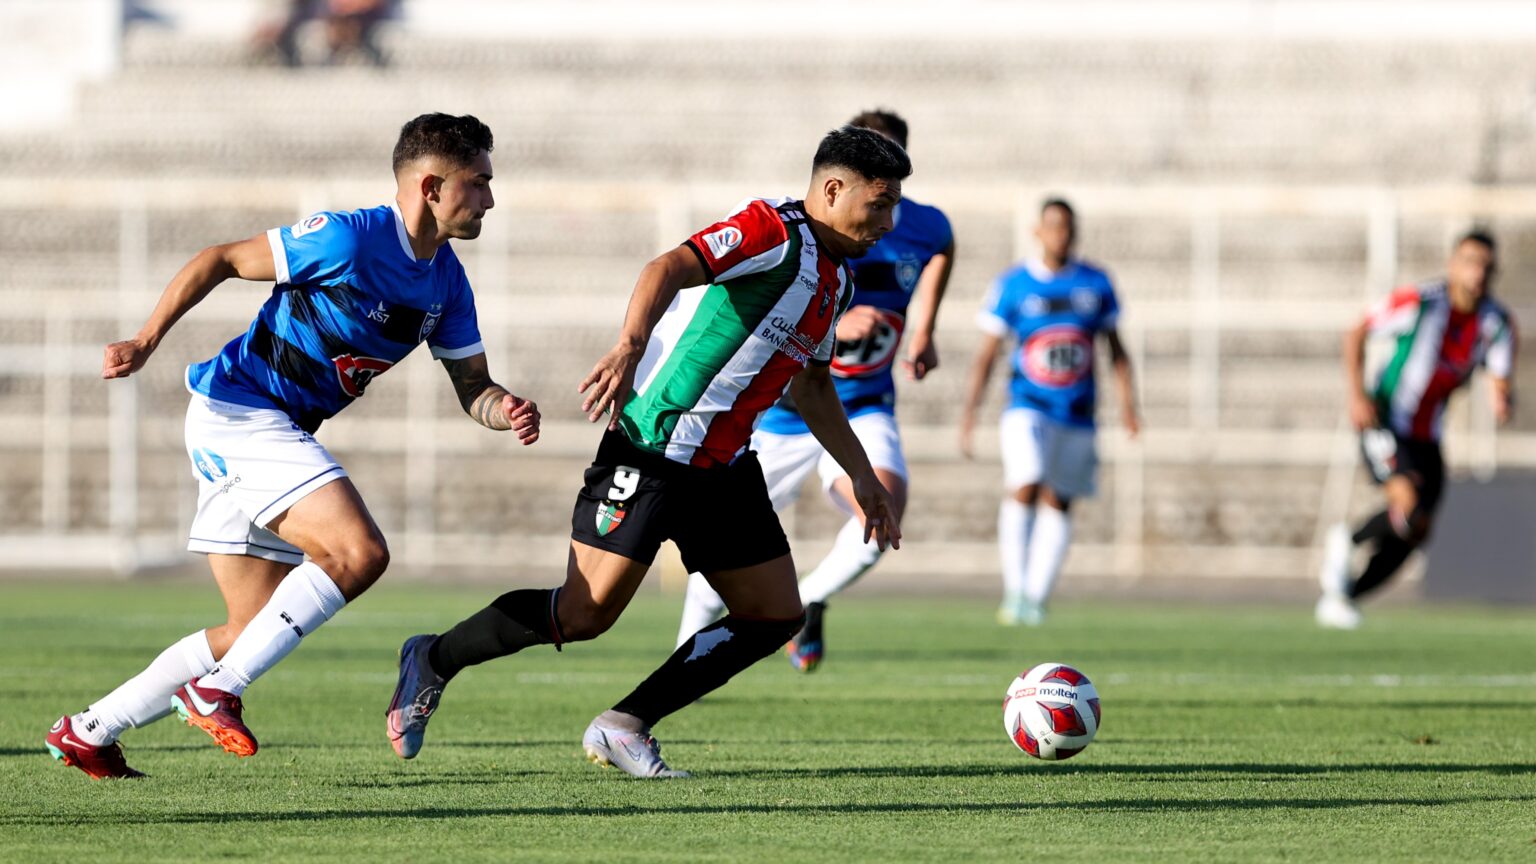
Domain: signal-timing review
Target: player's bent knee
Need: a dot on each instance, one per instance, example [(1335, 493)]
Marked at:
[(586, 620), (356, 566)]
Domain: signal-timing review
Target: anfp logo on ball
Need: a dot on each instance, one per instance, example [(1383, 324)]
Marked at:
[(1051, 712)]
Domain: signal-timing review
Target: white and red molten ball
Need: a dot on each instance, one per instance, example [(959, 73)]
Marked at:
[(1051, 712)]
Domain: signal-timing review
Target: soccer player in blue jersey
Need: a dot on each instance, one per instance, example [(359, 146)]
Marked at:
[(1050, 309), (287, 536), (898, 285)]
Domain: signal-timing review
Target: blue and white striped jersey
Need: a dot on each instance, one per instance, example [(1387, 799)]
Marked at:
[(351, 300)]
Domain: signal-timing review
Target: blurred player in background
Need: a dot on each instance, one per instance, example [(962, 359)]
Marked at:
[(1049, 310), (287, 536), (1443, 330), (898, 286), (688, 380)]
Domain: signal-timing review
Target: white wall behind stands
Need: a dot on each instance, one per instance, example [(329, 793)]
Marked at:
[(47, 47)]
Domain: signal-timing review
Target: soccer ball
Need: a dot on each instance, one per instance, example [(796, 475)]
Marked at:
[(1051, 712)]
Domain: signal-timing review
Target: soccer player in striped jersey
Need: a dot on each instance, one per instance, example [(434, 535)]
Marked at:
[(717, 330), (909, 267), (1051, 310), (287, 536), (1443, 330)]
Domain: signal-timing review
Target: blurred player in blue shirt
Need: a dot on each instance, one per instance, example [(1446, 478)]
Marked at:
[(287, 535), (898, 285), (1049, 310)]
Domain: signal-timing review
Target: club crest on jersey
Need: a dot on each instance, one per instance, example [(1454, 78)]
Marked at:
[(907, 271), (209, 464), (355, 373), (428, 324), (1086, 302), (309, 226), (609, 516), (722, 241)]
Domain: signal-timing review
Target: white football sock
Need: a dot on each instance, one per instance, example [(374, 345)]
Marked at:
[(1015, 521), (146, 697), (849, 559), (1047, 549), (305, 599), (701, 606)]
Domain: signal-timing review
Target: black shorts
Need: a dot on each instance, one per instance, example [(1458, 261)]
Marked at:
[(1387, 453), (720, 518)]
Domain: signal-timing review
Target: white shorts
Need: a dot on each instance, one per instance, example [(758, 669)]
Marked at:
[(788, 459), (1037, 449), (251, 465)]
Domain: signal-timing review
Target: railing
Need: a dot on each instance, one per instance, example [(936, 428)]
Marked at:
[(63, 435)]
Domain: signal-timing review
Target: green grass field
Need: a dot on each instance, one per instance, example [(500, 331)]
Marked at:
[(1230, 733)]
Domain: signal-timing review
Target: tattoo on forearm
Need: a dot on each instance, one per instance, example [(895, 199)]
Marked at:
[(486, 409), (480, 396)]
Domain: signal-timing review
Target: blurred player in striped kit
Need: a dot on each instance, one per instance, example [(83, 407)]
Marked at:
[(1050, 309), (1443, 330), (897, 289)]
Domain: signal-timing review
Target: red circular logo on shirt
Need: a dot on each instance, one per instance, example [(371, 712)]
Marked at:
[(863, 357), (1058, 356)]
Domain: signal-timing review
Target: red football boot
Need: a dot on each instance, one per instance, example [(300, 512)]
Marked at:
[(99, 763), (217, 713)]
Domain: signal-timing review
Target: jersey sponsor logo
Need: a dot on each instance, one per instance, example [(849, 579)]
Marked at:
[(1057, 356), (209, 464), (788, 338), (355, 373), (722, 241), (309, 226), (379, 313), (859, 358)]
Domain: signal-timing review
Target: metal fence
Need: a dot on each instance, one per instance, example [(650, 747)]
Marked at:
[(65, 437)]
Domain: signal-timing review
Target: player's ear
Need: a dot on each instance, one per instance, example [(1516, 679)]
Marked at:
[(832, 188), (431, 187)]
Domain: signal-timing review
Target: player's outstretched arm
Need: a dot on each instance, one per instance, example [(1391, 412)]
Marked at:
[(607, 386), (975, 386), (922, 353), (489, 403), (247, 259), (816, 399), (1125, 382)]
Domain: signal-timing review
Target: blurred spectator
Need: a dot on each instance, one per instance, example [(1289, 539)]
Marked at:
[(350, 28)]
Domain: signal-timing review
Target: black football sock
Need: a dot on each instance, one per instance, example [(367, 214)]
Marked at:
[(1375, 528), (704, 662), (811, 632), (1391, 552), (513, 621)]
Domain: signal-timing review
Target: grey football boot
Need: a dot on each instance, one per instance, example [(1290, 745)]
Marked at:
[(635, 753)]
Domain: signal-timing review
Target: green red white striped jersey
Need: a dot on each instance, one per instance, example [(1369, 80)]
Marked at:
[(724, 352), (1435, 352)]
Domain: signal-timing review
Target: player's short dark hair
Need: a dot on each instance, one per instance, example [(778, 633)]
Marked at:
[(1481, 236), (866, 151), (887, 123), (455, 139), (1058, 202)]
